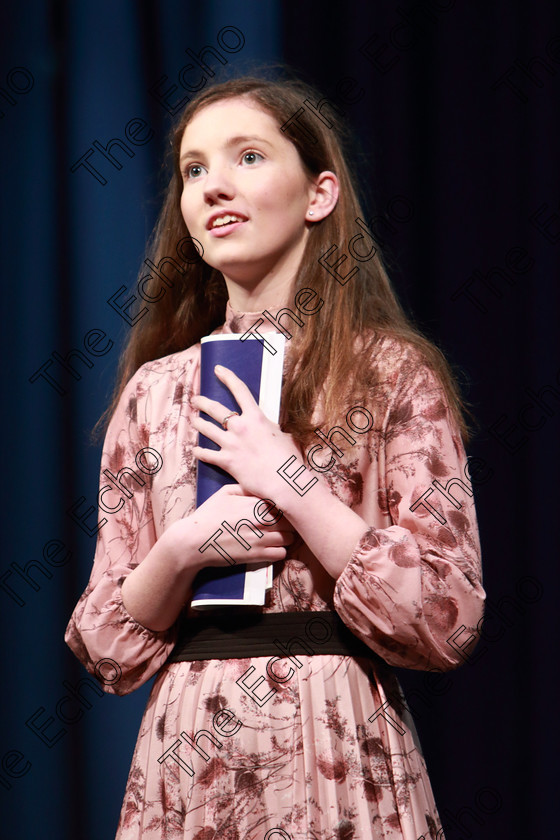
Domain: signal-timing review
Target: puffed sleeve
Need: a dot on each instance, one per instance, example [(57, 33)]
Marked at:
[(409, 588), (100, 628)]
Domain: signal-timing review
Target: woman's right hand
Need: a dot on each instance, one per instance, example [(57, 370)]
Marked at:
[(211, 527), (155, 591)]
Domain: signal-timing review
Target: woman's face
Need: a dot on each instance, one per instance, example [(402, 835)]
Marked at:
[(245, 194)]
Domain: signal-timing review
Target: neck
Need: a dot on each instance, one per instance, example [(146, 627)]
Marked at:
[(267, 294), (267, 285)]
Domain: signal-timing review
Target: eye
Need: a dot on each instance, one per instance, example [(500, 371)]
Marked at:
[(251, 157), (193, 171)]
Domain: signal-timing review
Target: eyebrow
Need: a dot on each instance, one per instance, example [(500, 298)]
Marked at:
[(232, 141)]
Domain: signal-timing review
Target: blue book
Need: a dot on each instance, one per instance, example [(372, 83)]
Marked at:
[(262, 373)]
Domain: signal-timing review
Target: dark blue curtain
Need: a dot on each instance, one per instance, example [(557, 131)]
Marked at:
[(454, 109)]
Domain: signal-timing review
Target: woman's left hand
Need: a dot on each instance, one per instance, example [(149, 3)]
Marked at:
[(253, 448)]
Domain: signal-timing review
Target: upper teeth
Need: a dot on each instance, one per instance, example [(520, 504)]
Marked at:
[(224, 220)]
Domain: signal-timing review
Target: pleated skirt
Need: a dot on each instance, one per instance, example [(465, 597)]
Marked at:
[(315, 748)]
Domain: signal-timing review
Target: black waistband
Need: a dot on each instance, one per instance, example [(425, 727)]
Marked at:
[(238, 636)]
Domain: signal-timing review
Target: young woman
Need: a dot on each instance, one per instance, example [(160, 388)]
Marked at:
[(284, 721)]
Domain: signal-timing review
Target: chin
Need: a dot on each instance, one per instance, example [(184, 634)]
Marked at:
[(239, 271)]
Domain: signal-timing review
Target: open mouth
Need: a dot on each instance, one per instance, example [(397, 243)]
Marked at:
[(225, 220)]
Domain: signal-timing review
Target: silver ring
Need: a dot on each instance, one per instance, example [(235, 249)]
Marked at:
[(228, 417)]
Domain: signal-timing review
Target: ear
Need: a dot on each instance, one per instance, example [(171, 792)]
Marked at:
[(323, 197)]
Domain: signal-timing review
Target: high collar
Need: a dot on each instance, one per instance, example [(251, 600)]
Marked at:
[(240, 322)]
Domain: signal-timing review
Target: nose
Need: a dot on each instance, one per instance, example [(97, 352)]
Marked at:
[(218, 184)]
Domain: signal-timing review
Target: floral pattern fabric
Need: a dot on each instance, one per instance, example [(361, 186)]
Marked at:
[(321, 746)]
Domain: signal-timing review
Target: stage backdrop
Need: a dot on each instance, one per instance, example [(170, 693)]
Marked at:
[(454, 110)]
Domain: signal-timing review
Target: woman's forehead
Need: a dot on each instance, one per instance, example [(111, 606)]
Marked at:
[(235, 116)]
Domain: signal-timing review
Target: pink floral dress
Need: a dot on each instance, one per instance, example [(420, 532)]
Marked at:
[(327, 750)]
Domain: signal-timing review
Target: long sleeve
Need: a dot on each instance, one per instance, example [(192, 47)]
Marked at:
[(409, 588), (100, 627)]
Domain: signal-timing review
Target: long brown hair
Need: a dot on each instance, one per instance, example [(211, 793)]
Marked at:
[(333, 350)]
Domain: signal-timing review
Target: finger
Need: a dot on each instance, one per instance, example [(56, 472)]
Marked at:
[(266, 555), (212, 408), (209, 456), (276, 540), (232, 490), (209, 430), (237, 387)]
